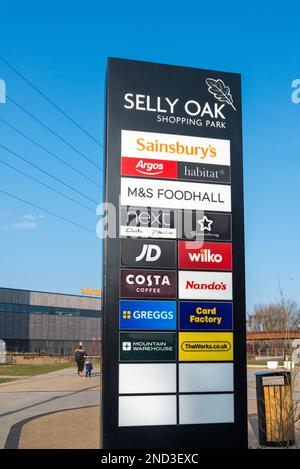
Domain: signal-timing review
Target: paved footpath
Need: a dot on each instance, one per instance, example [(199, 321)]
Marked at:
[(26, 398)]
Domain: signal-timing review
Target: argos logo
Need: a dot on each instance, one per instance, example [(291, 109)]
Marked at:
[(144, 167), (205, 285), (199, 255)]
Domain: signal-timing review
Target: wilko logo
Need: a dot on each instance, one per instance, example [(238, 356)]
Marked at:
[(148, 284), (148, 223), (206, 256), (205, 285), (143, 167), (204, 226), (145, 253)]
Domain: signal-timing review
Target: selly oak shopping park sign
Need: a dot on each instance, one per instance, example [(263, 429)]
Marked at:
[(174, 361)]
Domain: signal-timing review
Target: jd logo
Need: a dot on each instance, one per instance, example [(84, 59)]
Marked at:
[(150, 253), (146, 253)]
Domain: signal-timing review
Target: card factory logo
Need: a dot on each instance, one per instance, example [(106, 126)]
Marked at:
[(148, 223), (198, 255), (205, 316), (147, 315), (148, 283), (205, 285), (175, 194), (200, 113)]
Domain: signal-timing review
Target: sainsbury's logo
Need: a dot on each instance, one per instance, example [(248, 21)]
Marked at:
[(169, 147), (201, 255)]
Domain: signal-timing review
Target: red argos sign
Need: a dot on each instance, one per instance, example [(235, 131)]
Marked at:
[(207, 256), (144, 167)]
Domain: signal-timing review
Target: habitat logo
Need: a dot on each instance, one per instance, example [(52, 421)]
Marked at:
[(148, 315)]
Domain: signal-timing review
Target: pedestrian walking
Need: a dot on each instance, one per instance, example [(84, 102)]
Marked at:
[(79, 356)]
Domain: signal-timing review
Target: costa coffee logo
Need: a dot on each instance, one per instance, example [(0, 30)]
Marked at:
[(211, 256), (205, 285), (148, 283)]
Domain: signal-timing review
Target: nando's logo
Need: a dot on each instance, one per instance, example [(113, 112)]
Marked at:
[(201, 255), (205, 285), (148, 283)]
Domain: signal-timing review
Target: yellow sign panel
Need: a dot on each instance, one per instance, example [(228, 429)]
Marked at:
[(205, 346)]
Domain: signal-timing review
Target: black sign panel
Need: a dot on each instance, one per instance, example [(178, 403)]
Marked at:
[(201, 172), (148, 253), (178, 128), (147, 346), (148, 283), (148, 222), (208, 226)]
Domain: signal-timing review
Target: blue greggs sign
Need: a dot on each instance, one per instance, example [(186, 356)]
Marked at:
[(148, 315), (205, 316)]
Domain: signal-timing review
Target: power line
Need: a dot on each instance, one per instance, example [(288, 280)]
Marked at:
[(48, 174), (49, 152), (53, 132), (46, 210), (46, 185), (41, 93)]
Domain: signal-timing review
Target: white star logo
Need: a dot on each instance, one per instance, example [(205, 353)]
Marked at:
[(205, 223)]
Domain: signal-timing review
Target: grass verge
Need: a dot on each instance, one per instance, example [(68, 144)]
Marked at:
[(31, 370)]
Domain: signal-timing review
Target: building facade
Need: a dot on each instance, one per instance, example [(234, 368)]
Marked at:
[(49, 323)]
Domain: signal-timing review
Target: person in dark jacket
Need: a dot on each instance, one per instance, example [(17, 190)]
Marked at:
[(79, 356)]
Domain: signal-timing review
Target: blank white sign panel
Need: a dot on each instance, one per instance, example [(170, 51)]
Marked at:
[(146, 378), (206, 408), (206, 377), (147, 410)]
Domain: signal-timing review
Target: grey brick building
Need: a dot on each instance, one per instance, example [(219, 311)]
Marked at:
[(52, 323)]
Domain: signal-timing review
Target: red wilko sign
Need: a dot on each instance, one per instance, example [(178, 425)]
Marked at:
[(143, 167), (208, 256)]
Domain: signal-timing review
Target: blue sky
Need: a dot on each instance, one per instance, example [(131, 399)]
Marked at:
[(62, 47)]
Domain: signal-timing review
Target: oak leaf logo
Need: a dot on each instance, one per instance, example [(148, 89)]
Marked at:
[(220, 91)]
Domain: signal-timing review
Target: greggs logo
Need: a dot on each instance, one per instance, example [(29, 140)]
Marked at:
[(199, 255)]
